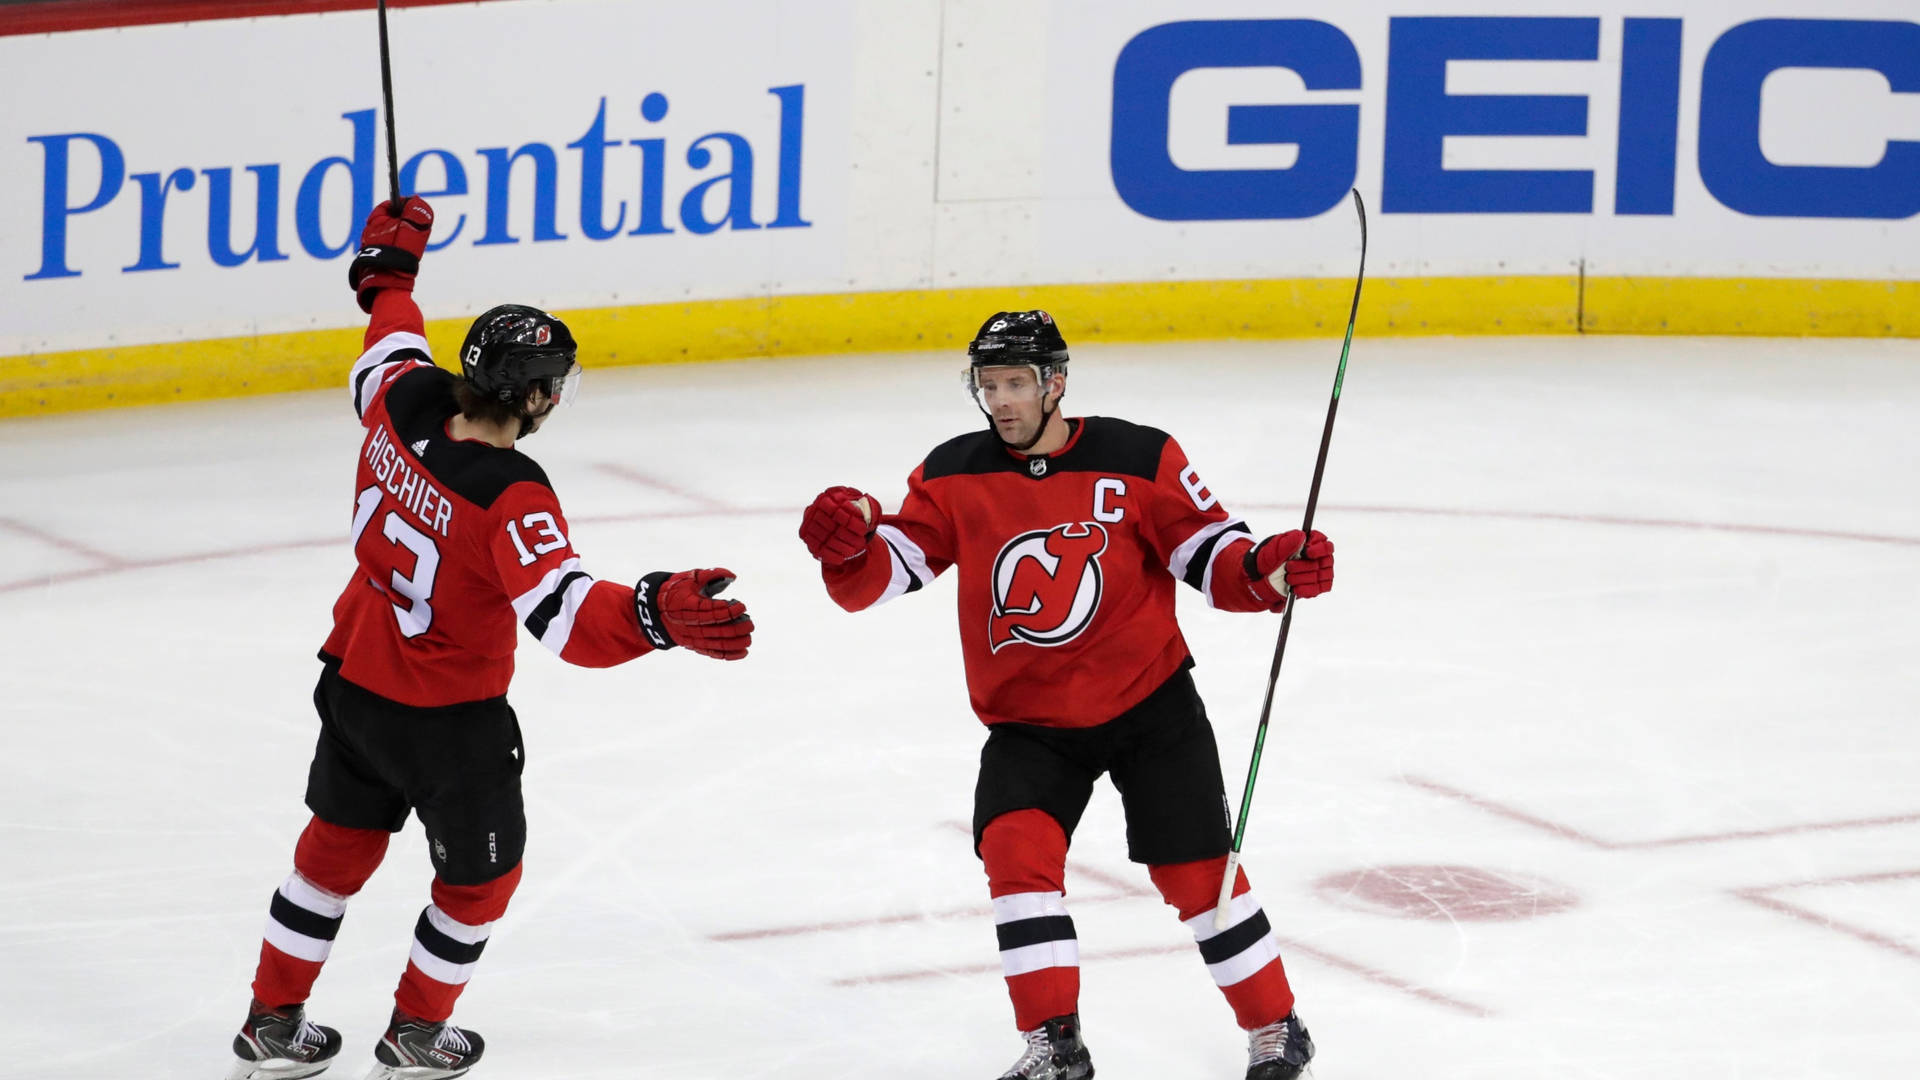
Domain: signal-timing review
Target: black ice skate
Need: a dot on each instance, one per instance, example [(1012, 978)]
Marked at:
[(415, 1049), (1054, 1052), (279, 1044), (1278, 1051)]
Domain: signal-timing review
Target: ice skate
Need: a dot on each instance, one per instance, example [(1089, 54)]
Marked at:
[(1054, 1052), (280, 1044), (1278, 1051), (415, 1049)]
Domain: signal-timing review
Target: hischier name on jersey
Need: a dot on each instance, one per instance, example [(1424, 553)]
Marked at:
[(458, 543), (1070, 537)]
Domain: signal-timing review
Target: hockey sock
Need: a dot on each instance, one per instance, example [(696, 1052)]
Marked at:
[(1025, 853), (330, 863), (1244, 959), (447, 942)]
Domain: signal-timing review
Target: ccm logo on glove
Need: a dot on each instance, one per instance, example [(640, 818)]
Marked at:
[(685, 609)]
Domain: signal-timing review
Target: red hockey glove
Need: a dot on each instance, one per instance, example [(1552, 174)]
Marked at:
[(1309, 575), (835, 528), (683, 609), (390, 248)]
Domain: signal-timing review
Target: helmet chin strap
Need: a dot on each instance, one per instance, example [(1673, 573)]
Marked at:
[(1046, 416), (528, 420)]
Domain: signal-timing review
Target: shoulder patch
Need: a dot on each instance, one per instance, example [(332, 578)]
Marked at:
[(974, 452)]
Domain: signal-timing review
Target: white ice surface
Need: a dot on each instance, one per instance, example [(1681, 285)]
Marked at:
[(1601, 603)]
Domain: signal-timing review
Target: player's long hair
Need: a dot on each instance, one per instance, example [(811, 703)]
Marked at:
[(484, 408)]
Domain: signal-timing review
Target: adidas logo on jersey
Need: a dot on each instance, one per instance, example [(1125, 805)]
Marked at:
[(418, 448)]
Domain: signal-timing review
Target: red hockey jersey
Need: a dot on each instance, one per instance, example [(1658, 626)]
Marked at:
[(458, 543), (1067, 566)]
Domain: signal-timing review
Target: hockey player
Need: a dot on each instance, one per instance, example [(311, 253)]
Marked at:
[(460, 541), (1069, 535)]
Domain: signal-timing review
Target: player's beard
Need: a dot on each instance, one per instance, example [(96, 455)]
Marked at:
[(1024, 436), (1015, 436)]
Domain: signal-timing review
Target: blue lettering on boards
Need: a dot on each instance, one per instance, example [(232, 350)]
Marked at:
[(1144, 172)]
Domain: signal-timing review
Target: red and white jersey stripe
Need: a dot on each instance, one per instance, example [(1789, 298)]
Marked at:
[(457, 543)]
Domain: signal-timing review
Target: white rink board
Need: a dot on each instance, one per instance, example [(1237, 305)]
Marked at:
[(1660, 597), (935, 144), (466, 78), (1807, 116)]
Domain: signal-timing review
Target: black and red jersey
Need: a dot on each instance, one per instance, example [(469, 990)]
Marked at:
[(1067, 566), (458, 542)]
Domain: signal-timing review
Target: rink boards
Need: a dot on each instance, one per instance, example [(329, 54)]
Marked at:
[(768, 177)]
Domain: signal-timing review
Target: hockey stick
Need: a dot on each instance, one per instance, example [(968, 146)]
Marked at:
[(1286, 620), (386, 87)]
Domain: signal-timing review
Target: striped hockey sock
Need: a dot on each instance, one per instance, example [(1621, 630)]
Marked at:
[(447, 942), (1244, 959), (1025, 853), (330, 864)]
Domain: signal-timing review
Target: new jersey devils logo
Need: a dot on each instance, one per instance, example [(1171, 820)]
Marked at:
[(1046, 585)]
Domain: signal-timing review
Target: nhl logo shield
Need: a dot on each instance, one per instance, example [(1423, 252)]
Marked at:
[(1037, 466)]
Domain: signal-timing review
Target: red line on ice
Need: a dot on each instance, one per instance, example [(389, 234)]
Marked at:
[(1372, 975), (974, 911), (1122, 890), (71, 547), (1611, 519), (251, 550), (665, 487), (1568, 832), (782, 511), (120, 566), (800, 929), (1761, 895)]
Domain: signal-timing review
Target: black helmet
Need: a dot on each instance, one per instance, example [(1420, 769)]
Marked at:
[(513, 349), (1019, 337)]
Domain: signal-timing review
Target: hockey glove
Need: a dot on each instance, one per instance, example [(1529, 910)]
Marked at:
[(684, 609), (836, 527), (1276, 574), (390, 248)]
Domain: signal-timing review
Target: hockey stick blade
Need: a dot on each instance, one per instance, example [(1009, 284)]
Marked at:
[(1220, 914)]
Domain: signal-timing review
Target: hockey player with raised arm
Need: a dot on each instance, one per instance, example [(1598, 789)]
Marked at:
[(460, 542), (1069, 535)]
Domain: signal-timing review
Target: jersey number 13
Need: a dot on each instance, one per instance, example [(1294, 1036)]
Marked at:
[(416, 588)]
